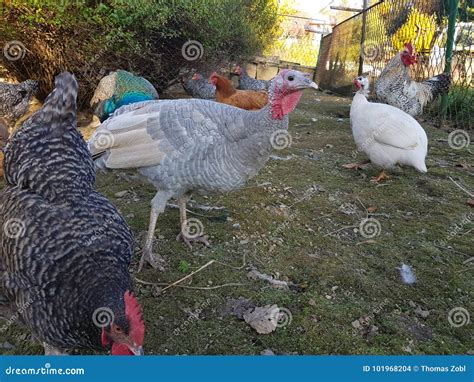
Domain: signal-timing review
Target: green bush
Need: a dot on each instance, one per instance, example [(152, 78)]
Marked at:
[(90, 37)]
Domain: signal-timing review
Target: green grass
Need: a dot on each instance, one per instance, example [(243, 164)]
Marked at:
[(285, 230)]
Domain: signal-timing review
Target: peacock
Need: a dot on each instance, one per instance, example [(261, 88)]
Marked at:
[(120, 88)]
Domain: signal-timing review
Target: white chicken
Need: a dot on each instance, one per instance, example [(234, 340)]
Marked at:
[(388, 135)]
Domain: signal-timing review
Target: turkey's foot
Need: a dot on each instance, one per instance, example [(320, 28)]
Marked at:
[(191, 240), (155, 260), (381, 177), (356, 166)]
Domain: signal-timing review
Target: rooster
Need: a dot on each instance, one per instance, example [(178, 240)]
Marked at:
[(15, 100), (190, 145), (395, 86), (388, 135), (120, 88), (244, 99), (198, 87), (64, 248), (248, 83)]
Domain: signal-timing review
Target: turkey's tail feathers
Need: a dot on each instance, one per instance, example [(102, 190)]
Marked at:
[(439, 84), (59, 108)]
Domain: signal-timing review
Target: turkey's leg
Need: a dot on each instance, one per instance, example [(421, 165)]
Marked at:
[(356, 166), (191, 231), (382, 176), (158, 205)]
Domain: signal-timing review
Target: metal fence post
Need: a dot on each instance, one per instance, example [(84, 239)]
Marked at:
[(453, 12), (363, 37)]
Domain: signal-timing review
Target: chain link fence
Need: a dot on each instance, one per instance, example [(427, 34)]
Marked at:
[(367, 42)]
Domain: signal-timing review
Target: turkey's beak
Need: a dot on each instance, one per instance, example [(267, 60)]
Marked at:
[(314, 85)]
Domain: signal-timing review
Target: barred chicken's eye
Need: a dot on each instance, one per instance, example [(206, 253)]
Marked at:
[(291, 78)]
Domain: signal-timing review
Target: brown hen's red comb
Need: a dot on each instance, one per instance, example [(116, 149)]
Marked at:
[(133, 311)]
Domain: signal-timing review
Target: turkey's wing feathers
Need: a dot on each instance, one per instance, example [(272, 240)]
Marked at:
[(144, 134)]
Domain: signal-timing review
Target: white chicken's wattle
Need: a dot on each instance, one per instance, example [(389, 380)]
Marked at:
[(388, 135)]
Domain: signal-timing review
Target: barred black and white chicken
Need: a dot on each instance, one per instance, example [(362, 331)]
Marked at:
[(199, 87), (395, 87), (15, 99), (64, 248)]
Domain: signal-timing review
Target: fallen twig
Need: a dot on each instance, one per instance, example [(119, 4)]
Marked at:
[(461, 187), (256, 275), (340, 229), (175, 284)]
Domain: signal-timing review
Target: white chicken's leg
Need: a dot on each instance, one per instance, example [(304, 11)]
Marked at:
[(158, 205), (189, 237)]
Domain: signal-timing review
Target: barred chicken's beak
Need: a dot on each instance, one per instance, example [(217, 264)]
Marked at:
[(136, 350)]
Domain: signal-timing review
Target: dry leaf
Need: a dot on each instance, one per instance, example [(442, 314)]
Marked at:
[(262, 319), (371, 209), (470, 202)]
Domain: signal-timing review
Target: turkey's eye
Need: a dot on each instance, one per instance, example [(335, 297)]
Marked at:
[(291, 78), (118, 329)]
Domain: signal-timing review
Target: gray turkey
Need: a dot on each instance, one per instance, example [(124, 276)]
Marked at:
[(189, 145), (64, 248), (248, 83), (396, 88), (15, 100)]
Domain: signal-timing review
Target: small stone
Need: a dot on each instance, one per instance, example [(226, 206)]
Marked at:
[(121, 194), (7, 345), (329, 297), (356, 324), (236, 226), (245, 241), (312, 302), (267, 352)]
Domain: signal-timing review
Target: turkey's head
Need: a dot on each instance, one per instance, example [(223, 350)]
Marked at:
[(408, 55), (125, 331), (286, 90)]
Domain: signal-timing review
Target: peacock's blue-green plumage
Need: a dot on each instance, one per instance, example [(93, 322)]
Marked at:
[(118, 89)]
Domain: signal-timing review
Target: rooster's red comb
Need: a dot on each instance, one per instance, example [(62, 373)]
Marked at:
[(133, 311)]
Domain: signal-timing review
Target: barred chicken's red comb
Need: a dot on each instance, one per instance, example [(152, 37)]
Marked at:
[(133, 311), (409, 47)]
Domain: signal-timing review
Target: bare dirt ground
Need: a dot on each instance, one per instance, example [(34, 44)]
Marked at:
[(302, 221)]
